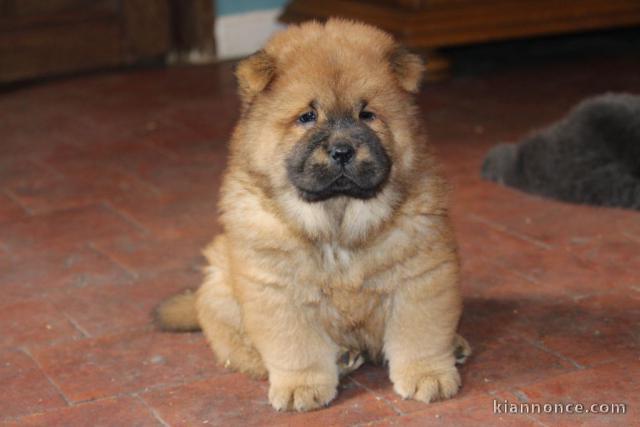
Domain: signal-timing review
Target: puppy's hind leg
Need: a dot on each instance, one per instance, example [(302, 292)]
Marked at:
[(349, 361), (461, 349), (221, 321)]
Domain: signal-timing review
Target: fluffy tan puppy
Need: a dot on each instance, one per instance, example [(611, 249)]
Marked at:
[(336, 234)]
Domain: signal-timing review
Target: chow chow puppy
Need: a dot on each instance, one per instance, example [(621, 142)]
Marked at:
[(336, 233)]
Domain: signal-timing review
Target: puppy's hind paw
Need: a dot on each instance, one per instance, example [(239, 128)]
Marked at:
[(461, 349), (349, 361)]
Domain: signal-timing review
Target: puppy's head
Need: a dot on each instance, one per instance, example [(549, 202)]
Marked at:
[(328, 113)]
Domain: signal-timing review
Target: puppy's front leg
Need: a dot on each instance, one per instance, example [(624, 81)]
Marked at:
[(420, 333), (297, 352)]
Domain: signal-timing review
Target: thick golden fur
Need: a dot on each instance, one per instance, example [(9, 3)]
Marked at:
[(291, 284)]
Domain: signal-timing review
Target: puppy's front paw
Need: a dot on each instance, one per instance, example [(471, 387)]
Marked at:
[(303, 397), (426, 384)]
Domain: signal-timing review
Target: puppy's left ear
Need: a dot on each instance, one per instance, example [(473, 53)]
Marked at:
[(408, 68), (254, 75)]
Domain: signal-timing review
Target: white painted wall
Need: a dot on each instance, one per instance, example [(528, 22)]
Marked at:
[(241, 34)]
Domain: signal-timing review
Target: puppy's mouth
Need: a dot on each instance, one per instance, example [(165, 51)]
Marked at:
[(342, 185), (343, 182)]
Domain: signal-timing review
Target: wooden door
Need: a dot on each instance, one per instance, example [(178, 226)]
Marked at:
[(43, 38)]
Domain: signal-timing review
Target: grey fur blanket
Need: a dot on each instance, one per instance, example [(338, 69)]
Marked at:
[(592, 156)]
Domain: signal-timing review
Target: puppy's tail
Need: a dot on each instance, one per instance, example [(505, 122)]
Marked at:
[(178, 313)]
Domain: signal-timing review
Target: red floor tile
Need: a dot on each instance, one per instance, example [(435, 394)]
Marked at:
[(589, 331), (108, 412), (606, 384), (64, 229), (35, 323), (148, 255), (175, 218), (474, 411), (82, 187), (10, 210), (41, 275), (507, 363), (118, 307), (23, 386), (17, 172), (550, 270), (227, 400), (127, 362)]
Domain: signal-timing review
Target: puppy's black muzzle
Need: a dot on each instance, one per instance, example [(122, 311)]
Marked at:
[(343, 158)]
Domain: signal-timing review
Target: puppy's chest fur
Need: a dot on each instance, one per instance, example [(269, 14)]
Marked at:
[(352, 314), (335, 258), (339, 269)]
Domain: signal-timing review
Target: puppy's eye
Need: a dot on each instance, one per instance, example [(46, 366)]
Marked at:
[(308, 117), (366, 115)]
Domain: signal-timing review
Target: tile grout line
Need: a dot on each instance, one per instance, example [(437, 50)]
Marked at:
[(76, 404), (39, 163), (536, 421), (125, 394), (77, 325), (539, 422), (395, 409), (505, 230), (507, 268), (147, 389), (49, 379), (140, 180), (38, 214), (16, 418), (554, 353), (134, 275), (522, 397), (152, 410), (372, 422), (17, 201), (126, 217), (632, 237), (168, 154)]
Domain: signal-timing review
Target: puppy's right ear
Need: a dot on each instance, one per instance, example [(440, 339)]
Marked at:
[(254, 74)]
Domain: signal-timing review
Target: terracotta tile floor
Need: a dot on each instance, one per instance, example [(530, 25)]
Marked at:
[(107, 193)]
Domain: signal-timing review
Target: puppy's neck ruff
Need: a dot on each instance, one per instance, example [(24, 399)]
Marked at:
[(343, 221)]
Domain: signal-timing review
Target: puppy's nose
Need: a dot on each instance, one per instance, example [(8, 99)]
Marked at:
[(342, 153)]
